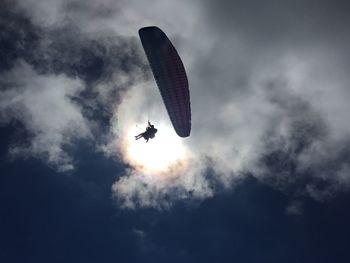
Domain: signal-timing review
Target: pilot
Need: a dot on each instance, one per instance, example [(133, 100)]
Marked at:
[(148, 134)]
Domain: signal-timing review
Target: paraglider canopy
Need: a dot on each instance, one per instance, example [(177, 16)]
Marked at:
[(170, 75)]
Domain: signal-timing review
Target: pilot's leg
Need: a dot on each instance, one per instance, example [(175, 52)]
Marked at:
[(139, 136)]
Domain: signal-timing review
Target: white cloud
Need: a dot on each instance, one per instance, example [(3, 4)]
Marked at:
[(45, 105), (135, 190)]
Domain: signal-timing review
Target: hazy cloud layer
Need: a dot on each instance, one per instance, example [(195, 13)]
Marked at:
[(269, 88)]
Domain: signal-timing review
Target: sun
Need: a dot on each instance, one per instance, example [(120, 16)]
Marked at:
[(164, 155)]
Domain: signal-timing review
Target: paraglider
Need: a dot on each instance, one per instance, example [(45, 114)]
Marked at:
[(148, 134), (170, 75)]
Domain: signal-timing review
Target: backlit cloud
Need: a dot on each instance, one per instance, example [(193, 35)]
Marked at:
[(268, 82)]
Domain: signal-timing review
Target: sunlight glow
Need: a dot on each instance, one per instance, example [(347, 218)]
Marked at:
[(165, 155)]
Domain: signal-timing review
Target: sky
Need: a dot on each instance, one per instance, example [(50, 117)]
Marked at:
[(263, 177)]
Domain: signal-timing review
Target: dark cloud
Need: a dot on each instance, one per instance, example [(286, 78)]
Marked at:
[(282, 161), (18, 36), (67, 50), (279, 71), (288, 23)]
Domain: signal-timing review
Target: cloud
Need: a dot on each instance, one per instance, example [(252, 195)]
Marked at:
[(45, 106), (269, 89), (135, 190), (61, 83), (294, 208), (268, 97)]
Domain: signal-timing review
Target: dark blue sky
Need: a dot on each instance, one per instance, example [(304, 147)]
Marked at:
[(269, 87), (52, 217)]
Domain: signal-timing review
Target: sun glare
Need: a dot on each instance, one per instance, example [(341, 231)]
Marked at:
[(163, 155)]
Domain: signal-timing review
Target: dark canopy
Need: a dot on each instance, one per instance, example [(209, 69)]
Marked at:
[(170, 75)]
